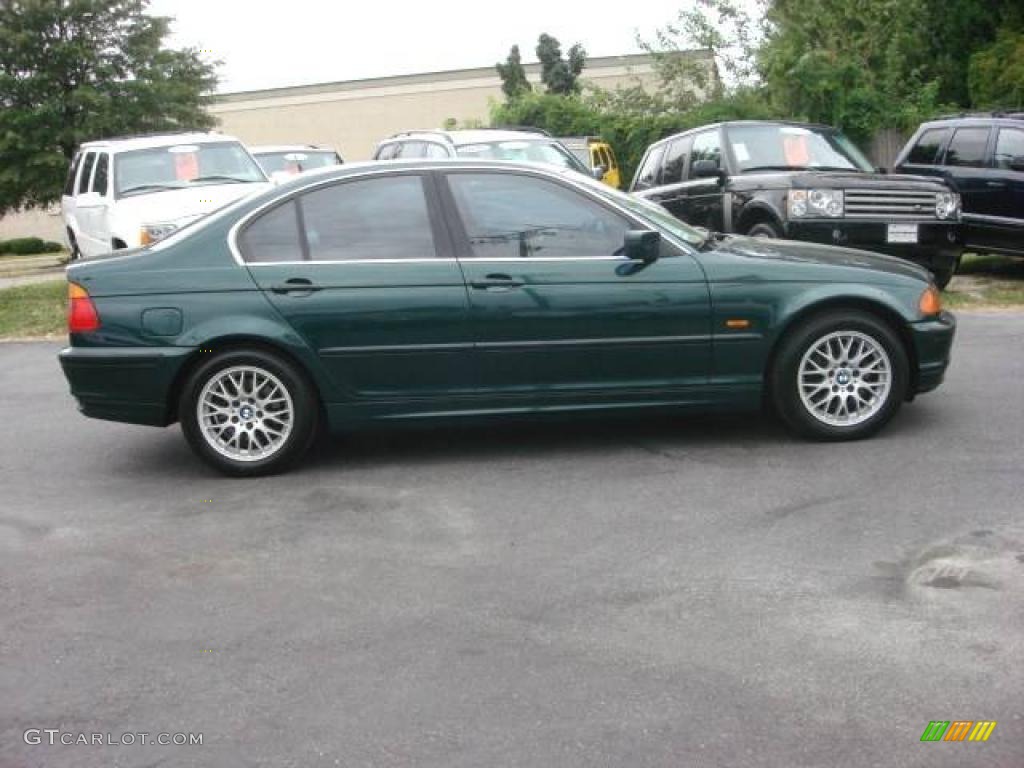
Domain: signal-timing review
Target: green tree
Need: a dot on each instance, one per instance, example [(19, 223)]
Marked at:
[(75, 70), (996, 73), (513, 76), (560, 75)]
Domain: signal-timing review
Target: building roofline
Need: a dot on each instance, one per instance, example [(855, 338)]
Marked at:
[(597, 62)]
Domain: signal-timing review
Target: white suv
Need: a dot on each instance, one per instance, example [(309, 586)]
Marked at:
[(126, 193)]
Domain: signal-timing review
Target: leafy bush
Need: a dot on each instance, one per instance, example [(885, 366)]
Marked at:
[(28, 246)]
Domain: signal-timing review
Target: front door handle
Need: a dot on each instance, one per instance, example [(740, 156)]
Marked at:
[(496, 283), (996, 184), (300, 286)]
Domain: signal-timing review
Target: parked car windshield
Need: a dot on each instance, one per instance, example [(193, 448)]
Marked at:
[(545, 152), (183, 165), (296, 161), (793, 147)]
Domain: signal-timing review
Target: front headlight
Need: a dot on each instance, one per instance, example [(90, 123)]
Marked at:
[(152, 232), (816, 202), (947, 205)]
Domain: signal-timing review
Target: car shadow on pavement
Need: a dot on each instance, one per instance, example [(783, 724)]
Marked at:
[(655, 434)]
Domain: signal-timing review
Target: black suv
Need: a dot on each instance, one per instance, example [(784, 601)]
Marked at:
[(982, 158), (802, 182)]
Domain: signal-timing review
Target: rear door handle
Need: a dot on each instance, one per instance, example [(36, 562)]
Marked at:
[(297, 285), (496, 283)]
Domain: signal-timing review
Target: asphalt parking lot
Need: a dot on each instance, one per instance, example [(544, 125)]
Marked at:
[(656, 592)]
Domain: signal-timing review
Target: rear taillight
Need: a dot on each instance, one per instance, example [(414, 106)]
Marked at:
[(82, 315)]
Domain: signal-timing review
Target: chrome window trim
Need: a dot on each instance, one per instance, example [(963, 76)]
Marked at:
[(386, 170)]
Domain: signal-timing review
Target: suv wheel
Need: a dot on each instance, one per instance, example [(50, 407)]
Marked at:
[(839, 376), (248, 412), (765, 229), (942, 276)]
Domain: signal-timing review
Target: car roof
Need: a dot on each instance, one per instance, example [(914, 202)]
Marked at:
[(156, 140), (727, 123), (978, 118), (268, 148), (466, 136)]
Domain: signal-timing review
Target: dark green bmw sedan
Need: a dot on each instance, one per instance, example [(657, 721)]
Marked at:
[(463, 290)]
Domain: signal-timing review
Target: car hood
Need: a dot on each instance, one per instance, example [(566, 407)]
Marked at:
[(789, 257), (858, 180), (180, 206)]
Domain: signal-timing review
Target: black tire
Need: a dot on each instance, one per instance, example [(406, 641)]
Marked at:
[(303, 424), (76, 252), (784, 385), (765, 229), (942, 276)]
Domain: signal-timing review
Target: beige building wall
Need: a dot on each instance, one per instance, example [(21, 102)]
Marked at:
[(353, 116), (44, 223)]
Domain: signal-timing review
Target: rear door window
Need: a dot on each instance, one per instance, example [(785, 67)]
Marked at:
[(967, 147), (381, 218), (1009, 146), (926, 151), (84, 179), (388, 151)]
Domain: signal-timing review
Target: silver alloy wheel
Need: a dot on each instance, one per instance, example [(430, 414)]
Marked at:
[(245, 413), (845, 378)]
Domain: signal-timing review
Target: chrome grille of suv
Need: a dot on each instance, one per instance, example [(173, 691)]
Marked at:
[(889, 204)]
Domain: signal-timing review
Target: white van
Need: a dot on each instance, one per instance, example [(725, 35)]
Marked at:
[(129, 192)]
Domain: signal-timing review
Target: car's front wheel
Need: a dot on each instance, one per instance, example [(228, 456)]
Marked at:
[(248, 412), (839, 376)]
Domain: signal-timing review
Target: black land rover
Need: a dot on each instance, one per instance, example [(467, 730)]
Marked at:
[(982, 158), (802, 182)]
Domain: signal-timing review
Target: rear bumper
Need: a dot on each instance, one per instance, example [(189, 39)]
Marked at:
[(933, 341), (939, 243), (129, 384)]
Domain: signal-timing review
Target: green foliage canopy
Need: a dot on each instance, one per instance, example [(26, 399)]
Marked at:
[(75, 70)]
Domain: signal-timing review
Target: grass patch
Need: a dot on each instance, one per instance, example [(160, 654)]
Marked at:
[(987, 281), (34, 310)]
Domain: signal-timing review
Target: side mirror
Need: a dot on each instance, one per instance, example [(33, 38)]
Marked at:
[(280, 177), (89, 200), (1017, 163), (598, 172), (706, 169), (642, 245)]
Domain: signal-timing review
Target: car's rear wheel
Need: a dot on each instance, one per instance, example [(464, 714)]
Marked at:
[(248, 412), (841, 375)]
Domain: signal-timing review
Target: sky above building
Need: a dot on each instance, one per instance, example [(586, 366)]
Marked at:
[(311, 41)]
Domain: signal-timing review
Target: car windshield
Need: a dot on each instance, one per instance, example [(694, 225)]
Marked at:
[(793, 147), (296, 161), (523, 151), (183, 165)]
